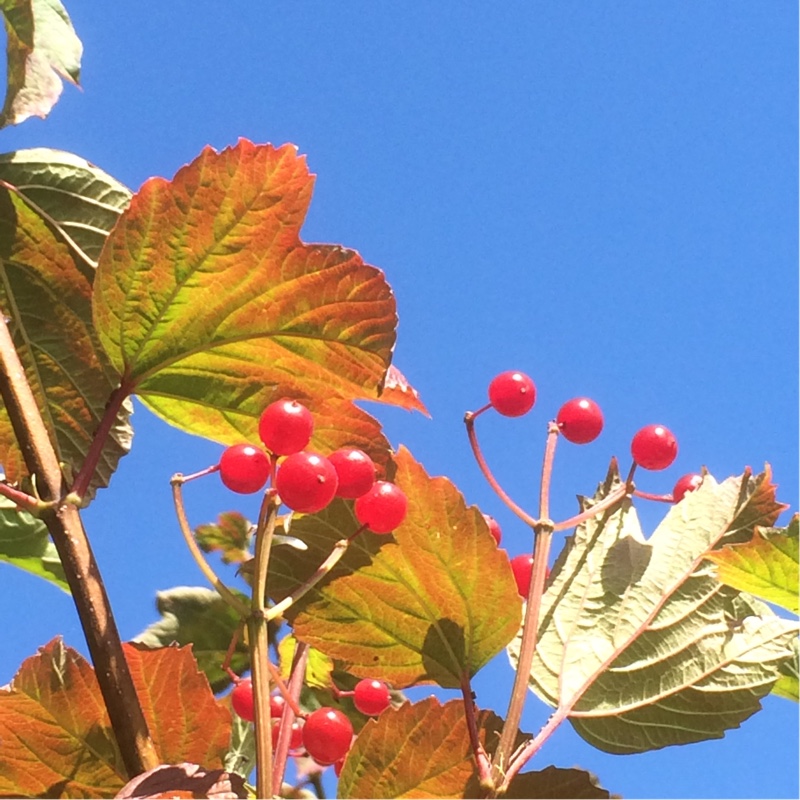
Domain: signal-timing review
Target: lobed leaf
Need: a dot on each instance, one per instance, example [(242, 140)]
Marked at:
[(420, 608), (230, 536), (211, 307), (766, 566), (25, 543), (58, 742), (639, 643), (42, 49)]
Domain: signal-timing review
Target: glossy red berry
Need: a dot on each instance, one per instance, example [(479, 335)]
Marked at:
[(580, 420), (276, 705), (285, 427), (522, 567), (355, 471), (296, 739), (654, 447), (685, 484), (382, 508), (327, 735), (494, 528), (242, 699), (338, 766), (512, 394), (306, 482), (371, 697), (244, 468)]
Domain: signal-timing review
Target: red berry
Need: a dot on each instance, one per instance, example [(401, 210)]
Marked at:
[(355, 470), (327, 735), (494, 528), (306, 482), (276, 705), (580, 420), (685, 484), (285, 427), (654, 447), (296, 738), (371, 697), (242, 699), (382, 508), (522, 567), (337, 767), (512, 394), (244, 468)]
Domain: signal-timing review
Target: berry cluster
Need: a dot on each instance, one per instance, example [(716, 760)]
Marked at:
[(307, 481)]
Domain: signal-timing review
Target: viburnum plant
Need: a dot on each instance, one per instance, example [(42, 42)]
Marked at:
[(366, 576)]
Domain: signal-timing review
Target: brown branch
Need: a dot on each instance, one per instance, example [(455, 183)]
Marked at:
[(81, 570)]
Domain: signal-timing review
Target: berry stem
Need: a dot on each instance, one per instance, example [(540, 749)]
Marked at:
[(547, 470), (469, 421), (227, 595), (290, 711), (607, 502), (481, 758), (25, 501), (658, 498), (283, 689)]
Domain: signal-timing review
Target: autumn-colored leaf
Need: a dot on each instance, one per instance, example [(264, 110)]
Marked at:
[(48, 299), (184, 780), (318, 666), (398, 391), (211, 307), (25, 543), (42, 49), (420, 608), (230, 536), (200, 617), (766, 566), (639, 644), (423, 750), (57, 740)]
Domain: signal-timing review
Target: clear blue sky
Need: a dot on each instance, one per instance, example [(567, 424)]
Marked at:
[(602, 194)]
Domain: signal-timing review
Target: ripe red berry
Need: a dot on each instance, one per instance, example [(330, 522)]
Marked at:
[(242, 699), (512, 394), (654, 447), (306, 482), (382, 508), (494, 528), (685, 484), (338, 766), (244, 468), (371, 697), (285, 427), (327, 735), (296, 739), (580, 420), (276, 705), (355, 471), (522, 567)]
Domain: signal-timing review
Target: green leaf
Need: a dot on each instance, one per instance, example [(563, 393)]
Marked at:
[(25, 543), (79, 200), (423, 750), (42, 49), (211, 307), (198, 616), (420, 608), (241, 755), (766, 566), (48, 298), (230, 536), (318, 667), (639, 644), (788, 683)]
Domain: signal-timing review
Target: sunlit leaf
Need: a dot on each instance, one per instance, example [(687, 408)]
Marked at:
[(241, 755), (211, 307), (25, 543), (420, 609), (318, 667), (423, 750), (48, 299), (398, 391), (230, 536), (200, 617), (766, 566), (788, 683), (170, 781), (79, 200), (639, 643), (42, 49), (57, 740)]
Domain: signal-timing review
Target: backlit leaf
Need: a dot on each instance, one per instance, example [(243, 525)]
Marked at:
[(25, 543), (420, 609), (318, 667), (42, 49), (230, 536), (766, 566), (639, 643), (211, 307), (200, 617), (398, 391), (170, 781), (48, 299), (788, 683), (57, 740)]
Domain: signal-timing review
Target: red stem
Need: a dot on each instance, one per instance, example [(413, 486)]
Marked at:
[(23, 500), (481, 759), (287, 719)]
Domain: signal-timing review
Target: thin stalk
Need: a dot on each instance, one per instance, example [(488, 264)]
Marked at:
[(259, 644), (227, 595), (527, 751), (481, 759), (64, 523), (659, 498), (25, 501), (607, 502)]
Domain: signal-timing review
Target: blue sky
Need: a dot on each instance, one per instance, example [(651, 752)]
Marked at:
[(601, 194)]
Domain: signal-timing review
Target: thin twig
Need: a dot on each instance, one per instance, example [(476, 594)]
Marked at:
[(604, 504), (479, 753)]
